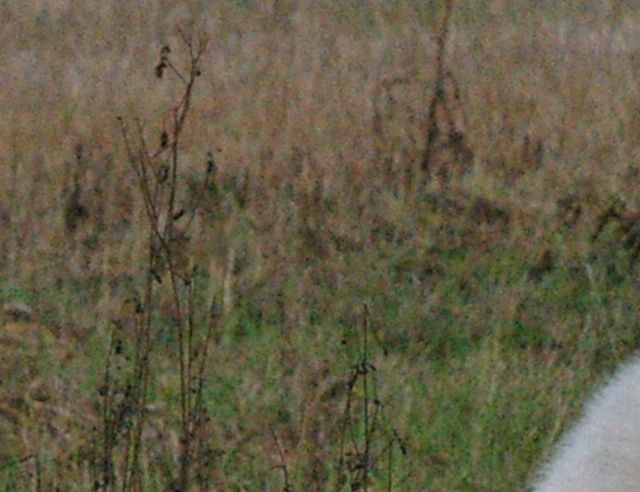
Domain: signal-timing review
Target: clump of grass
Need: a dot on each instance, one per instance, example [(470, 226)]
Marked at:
[(627, 222)]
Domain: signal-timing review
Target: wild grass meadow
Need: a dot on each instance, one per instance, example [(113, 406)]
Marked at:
[(309, 245)]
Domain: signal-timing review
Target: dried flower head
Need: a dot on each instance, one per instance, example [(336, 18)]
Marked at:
[(160, 69)]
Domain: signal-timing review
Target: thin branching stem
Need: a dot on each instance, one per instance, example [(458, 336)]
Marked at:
[(159, 191), (365, 396)]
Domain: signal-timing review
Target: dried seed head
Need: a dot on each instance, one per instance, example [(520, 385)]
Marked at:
[(164, 139), (165, 50), (179, 214), (162, 174), (211, 164), (78, 151), (160, 69)]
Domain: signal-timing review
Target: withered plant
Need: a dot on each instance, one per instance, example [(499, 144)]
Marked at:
[(368, 438), (442, 132), (438, 148), (169, 271)]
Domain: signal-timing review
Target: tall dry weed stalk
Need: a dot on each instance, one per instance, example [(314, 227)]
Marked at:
[(443, 132), (170, 219), (368, 438)]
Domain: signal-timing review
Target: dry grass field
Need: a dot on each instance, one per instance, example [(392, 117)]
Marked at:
[(412, 255)]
